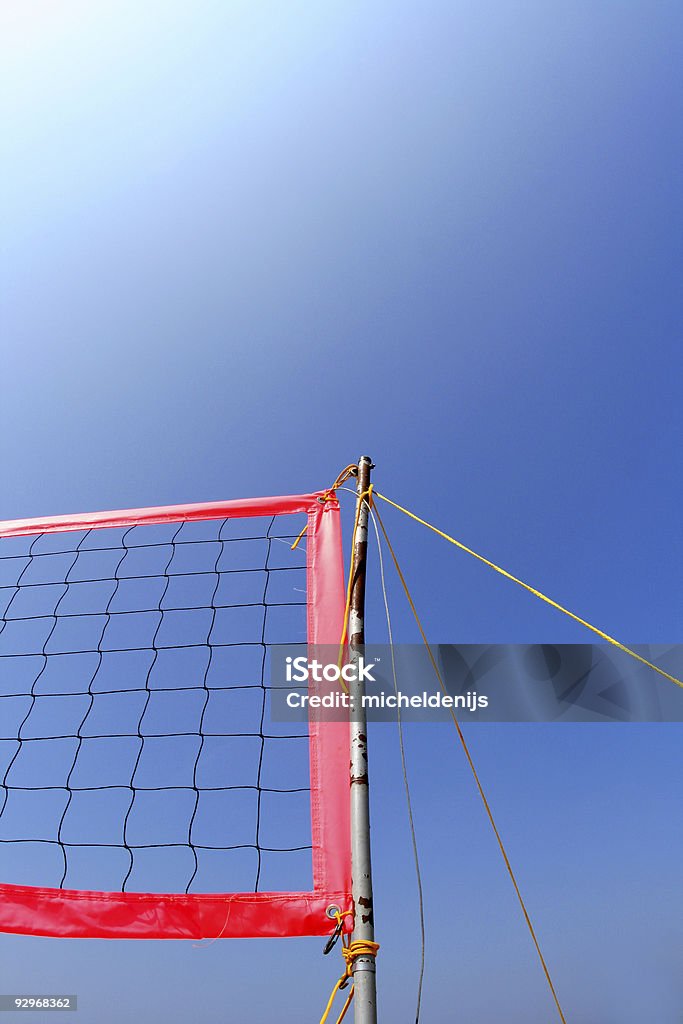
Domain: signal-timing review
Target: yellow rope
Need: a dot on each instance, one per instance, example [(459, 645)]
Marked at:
[(536, 593), (325, 496), (474, 773), (326, 1012), (350, 951), (349, 585), (295, 545)]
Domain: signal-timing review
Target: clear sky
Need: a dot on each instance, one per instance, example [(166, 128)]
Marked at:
[(243, 243)]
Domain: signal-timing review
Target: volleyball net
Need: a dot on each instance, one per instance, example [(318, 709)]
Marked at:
[(145, 790)]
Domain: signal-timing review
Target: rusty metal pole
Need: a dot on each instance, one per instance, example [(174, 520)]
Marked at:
[(365, 996)]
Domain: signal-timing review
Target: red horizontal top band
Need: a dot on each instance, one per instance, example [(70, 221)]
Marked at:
[(66, 913), (242, 508)]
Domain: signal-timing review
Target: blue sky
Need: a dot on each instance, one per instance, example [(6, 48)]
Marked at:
[(244, 243)]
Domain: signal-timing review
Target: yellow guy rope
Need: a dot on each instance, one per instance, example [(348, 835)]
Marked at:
[(480, 788), (536, 593)]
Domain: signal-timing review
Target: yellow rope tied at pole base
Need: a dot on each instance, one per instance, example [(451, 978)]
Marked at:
[(536, 593), (350, 951)]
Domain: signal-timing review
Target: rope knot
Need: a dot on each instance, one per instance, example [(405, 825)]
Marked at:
[(361, 947), (351, 951)]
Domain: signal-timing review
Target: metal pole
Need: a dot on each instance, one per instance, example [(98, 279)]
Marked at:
[(365, 995)]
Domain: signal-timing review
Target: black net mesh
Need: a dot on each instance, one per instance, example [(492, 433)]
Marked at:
[(137, 751)]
